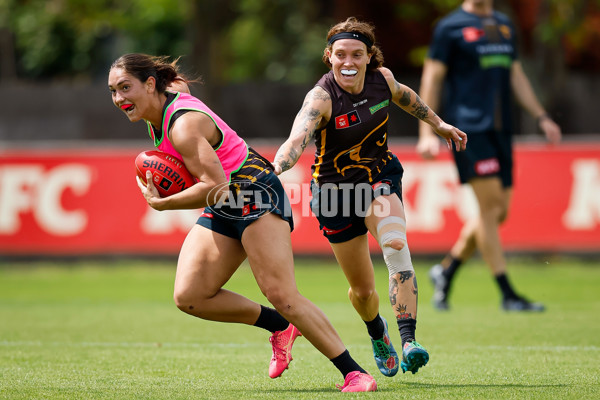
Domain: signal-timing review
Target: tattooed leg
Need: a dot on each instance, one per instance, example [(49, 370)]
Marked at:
[(403, 295), (403, 298)]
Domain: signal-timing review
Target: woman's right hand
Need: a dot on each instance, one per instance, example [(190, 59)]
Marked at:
[(277, 168), (149, 191), (428, 147)]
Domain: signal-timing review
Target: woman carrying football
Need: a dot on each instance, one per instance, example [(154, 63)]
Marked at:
[(229, 230)]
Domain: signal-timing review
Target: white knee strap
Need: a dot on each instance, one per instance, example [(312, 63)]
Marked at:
[(389, 221), (396, 260)]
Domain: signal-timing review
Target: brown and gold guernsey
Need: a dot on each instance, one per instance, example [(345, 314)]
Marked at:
[(352, 147)]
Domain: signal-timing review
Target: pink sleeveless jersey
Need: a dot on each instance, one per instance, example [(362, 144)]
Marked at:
[(232, 151)]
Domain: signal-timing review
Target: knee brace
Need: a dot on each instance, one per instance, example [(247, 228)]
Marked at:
[(396, 260)]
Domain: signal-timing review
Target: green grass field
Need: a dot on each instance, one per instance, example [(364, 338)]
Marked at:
[(109, 330)]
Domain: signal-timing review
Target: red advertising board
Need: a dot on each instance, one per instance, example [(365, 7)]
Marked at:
[(85, 201)]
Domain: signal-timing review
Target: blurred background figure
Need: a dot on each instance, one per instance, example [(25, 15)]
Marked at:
[(474, 53), (55, 53)]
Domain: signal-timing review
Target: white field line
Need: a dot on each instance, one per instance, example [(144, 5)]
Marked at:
[(6, 343)]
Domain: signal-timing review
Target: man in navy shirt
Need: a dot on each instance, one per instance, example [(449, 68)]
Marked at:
[(472, 72)]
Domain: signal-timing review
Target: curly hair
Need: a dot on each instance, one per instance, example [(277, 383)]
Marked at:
[(353, 25)]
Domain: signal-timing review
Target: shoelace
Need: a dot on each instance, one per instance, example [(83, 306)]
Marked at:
[(278, 351), (411, 346), (382, 349), (346, 384), (355, 379)]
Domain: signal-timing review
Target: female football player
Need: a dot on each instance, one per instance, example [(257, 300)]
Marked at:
[(346, 115), (229, 230)]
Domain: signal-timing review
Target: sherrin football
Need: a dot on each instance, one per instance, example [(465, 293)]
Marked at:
[(169, 173)]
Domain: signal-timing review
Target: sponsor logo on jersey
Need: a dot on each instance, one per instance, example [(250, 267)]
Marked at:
[(495, 48), (347, 120), (472, 34), (495, 61), (379, 106), (505, 31)]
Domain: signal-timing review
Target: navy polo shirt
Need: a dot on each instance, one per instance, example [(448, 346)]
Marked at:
[(478, 52)]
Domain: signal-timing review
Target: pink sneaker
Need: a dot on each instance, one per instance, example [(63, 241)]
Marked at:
[(282, 342), (358, 382)]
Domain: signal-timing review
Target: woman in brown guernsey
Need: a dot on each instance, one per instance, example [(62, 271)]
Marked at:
[(356, 185)]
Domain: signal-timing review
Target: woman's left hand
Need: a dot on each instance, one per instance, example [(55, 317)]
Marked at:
[(452, 133)]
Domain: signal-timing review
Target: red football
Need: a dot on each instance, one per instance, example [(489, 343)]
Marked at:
[(169, 173)]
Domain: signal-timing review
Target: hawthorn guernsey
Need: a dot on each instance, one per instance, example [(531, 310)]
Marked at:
[(169, 173)]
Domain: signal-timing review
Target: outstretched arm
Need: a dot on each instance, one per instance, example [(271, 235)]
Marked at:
[(527, 99), (314, 113), (409, 101)]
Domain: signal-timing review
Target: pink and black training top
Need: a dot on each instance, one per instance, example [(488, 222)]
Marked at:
[(232, 150)]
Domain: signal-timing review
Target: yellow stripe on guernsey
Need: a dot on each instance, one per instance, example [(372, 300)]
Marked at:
[(321, 152), (258, 167), (250, 178), (356, 149)]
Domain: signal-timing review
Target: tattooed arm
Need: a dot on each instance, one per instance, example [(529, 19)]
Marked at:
[(315, 112), (409, 101)]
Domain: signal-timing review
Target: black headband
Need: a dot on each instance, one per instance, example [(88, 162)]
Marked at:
[(351, 35)]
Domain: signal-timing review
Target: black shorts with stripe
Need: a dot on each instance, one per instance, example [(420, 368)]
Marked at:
[(487, 154), (254, 191), (341, 208)]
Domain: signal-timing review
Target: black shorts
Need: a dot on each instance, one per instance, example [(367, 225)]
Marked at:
[(487, 154), (341, 208), (254, 191)]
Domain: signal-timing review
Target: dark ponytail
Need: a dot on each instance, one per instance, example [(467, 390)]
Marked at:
[(143, 66)]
